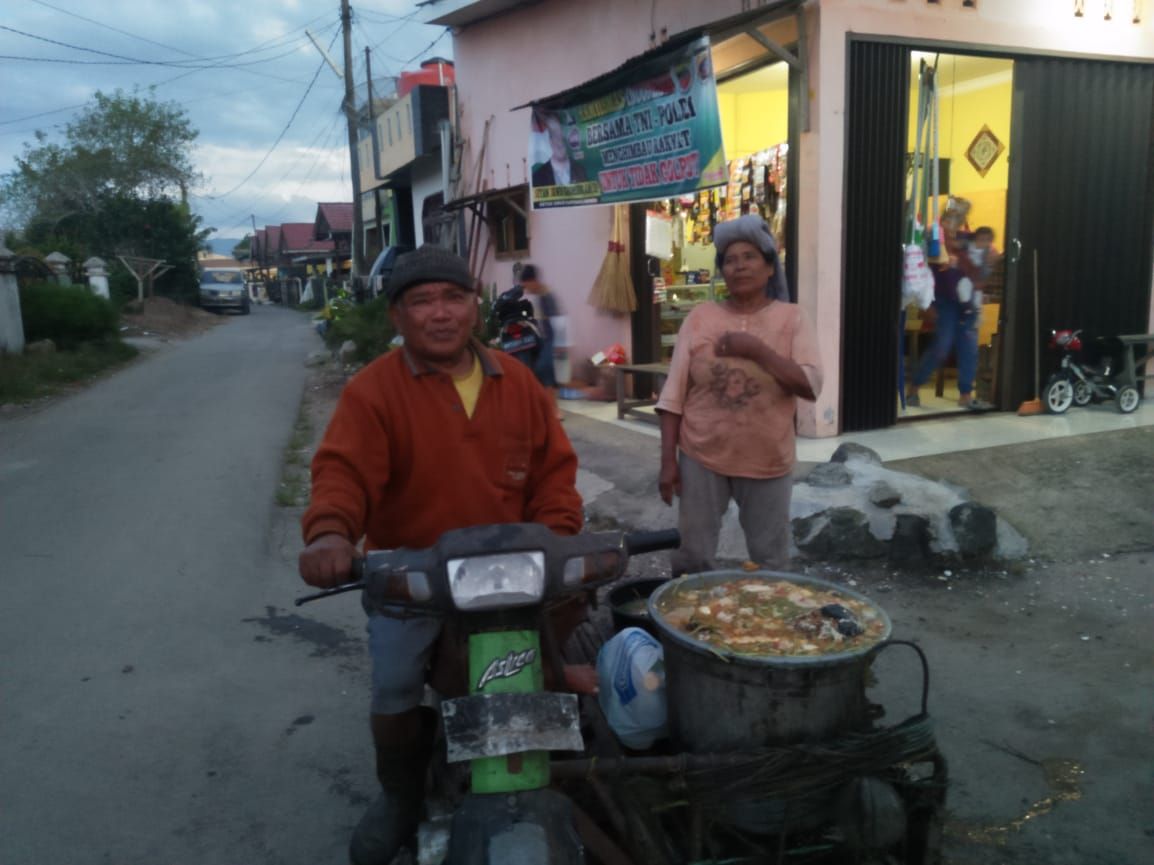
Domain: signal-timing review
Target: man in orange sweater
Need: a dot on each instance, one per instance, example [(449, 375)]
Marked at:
[(440, 434)]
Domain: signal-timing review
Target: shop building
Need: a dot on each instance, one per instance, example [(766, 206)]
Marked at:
[(1044, 126)]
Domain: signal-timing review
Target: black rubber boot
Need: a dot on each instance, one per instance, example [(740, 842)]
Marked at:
[(392, 819)]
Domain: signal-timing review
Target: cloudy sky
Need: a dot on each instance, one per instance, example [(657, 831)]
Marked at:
[(273, 141)]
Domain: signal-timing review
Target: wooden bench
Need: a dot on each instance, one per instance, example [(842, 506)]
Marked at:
[(632, 407)]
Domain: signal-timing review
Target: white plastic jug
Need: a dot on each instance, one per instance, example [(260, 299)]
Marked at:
[(631, 677)]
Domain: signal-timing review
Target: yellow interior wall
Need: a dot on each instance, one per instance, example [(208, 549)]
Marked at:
[(762, 121), (960, 119), (727, 107), (753, 121)]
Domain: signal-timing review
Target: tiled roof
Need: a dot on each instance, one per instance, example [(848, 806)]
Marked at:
[(296, 236), (338, 217)]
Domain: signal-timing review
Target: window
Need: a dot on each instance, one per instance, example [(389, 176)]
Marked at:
[(508, 227)]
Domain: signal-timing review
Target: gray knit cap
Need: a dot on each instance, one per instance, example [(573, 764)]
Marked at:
[(428, 264), (753, 229)]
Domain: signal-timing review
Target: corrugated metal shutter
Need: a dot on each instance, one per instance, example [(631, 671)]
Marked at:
[(877, 122), (1084, 189)]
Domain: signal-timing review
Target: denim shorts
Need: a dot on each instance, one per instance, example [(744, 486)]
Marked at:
[(400, 649)]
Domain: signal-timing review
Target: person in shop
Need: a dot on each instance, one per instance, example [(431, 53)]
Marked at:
[(956, 310), (983, 255), (547, 311), (727, 408), (560, 170)]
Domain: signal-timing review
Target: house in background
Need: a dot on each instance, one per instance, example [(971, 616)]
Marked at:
[(334, 222), (405, 155)]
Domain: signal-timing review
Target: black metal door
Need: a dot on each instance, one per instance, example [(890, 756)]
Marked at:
[(876, 127), (1082, 197)]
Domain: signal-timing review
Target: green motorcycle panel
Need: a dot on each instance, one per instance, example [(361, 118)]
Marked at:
[(507, 662)]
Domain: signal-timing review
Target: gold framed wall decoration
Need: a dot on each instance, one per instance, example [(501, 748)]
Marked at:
[(984, 151)]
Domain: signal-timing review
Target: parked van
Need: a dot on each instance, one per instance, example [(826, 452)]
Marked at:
[(224, 288)]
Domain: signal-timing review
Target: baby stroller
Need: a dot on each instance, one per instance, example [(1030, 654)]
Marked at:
[(518, 332), (1094, 370)]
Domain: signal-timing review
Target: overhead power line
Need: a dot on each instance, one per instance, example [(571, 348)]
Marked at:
[(268, 44), (240, 216), (427, 48), (80, 17), (205, 63), (264, 158)]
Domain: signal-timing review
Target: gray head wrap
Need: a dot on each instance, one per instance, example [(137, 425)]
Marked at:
[(753, 229)]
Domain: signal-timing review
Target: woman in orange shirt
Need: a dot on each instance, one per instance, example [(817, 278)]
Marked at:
[(728, 405)]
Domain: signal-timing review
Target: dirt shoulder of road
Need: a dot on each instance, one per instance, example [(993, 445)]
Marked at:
[(323, 386), (166, 319)]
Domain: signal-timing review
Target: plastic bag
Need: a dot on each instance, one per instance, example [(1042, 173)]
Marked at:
[(631, 678), (615, 353), (917, 281)]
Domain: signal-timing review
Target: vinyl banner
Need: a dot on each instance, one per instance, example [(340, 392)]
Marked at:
[(649, 130)]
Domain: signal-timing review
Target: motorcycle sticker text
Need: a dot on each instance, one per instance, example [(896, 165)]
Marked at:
[(506, 667)]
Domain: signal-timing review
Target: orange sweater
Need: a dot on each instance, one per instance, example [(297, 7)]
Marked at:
[(401, 463)]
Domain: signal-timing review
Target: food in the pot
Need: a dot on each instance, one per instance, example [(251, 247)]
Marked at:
[(751, 616), (847, 625)]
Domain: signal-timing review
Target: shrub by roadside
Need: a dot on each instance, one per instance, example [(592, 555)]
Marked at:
[(69, 315), (81, 330), (368, 325)]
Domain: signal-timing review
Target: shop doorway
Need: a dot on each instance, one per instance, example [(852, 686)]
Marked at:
[(1078, 192), (958, 153)]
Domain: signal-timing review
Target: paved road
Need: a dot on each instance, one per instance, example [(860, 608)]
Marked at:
[(159, 702)]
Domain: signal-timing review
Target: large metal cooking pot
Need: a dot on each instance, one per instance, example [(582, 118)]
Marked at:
[(719, 701)]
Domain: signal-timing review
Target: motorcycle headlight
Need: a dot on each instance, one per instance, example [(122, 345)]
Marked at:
[(498, 581)]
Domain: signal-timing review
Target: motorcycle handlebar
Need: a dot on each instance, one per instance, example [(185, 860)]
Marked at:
[(635, 543), (357, 571), (649, 542)]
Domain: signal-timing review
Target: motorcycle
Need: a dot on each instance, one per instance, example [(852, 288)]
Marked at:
[(518, 331), (528, 772), (496, 586), (1089, 373)]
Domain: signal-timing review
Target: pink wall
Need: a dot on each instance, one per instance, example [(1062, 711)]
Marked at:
[(556, 44), (537, 51)]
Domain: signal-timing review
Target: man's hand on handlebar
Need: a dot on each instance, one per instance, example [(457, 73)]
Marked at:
[(327, 561)]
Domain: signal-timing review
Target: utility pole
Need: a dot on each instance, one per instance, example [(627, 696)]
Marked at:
[(354, 160), (376, 153)]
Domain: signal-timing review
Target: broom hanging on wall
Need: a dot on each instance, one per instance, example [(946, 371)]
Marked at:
[(613, 288)]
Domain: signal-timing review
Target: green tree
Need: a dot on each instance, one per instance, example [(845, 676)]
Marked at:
[(121, 146), (116, 185), (243, 250)]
